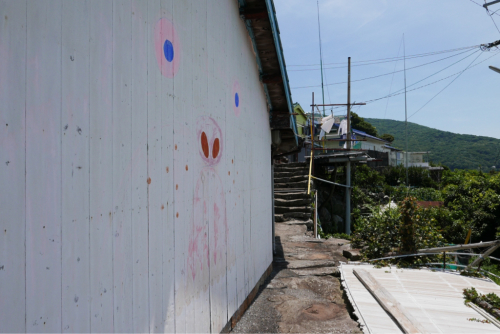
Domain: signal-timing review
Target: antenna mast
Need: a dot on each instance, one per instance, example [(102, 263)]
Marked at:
[(406, 117), (321, 61)]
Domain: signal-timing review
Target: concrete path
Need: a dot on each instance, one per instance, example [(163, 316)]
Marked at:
[(303, 292)]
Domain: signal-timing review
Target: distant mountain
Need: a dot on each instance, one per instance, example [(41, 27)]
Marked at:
[(451, 149)]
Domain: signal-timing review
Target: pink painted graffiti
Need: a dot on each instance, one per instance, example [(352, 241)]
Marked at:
[(208, 237)]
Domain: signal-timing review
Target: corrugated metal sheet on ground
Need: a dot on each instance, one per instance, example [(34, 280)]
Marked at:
[(434, 298)]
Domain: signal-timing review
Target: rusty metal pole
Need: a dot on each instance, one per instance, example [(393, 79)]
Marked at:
[(348, 146)]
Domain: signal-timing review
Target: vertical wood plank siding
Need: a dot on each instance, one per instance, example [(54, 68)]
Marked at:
[(134, 166)]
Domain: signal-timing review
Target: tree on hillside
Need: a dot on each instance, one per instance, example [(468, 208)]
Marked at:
[(359, 123), (387, 137)]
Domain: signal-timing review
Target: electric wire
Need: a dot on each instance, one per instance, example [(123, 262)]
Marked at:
[(432, 83), (412, 135), (481, 6), (389, 73), (391, 59), (458, 76), (401, 91), (490, 14), (433, 74), (491, 17), (392, 80), (431, 62)]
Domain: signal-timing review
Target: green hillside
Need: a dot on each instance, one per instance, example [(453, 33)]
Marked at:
[(453, 150)]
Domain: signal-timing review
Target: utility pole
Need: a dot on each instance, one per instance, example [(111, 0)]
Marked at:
[(348, 146)]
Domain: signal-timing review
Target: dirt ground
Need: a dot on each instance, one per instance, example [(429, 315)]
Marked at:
[(303, 293)]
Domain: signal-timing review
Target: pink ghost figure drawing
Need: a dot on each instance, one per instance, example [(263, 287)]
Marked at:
[(207, 242)]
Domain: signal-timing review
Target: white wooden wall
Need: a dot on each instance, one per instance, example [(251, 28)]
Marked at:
[(112, 217)]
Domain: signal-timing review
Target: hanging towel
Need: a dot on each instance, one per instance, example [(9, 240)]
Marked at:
[(321, 134), (327, 123)]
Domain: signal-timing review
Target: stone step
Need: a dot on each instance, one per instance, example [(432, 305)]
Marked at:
[(352, 254), (291, 169), (299, 184), (297, 215), (292, 173), (279, 218), (292, 202), (292, 164), (291, 179), (292, 195), (285, 209)]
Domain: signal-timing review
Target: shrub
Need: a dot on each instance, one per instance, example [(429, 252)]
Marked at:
[(405, 229), (421, 194), (378, 234)]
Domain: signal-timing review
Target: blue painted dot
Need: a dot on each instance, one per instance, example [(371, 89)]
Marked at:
[(236, 100), (168, 50)]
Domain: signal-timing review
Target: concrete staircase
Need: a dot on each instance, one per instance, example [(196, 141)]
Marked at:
[(291, 201)]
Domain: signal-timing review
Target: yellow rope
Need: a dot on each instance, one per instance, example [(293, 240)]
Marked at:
[(310, 168)]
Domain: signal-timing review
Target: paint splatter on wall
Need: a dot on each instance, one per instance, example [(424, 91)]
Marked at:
[(236, 98), (207, 241), (167, 47)]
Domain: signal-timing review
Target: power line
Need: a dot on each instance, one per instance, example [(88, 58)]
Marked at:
[(377, 76), (431, 62), (491, 17), (383, 60), (435, 73), (432, 83), (392, 80), (481, 5), (446, 86)]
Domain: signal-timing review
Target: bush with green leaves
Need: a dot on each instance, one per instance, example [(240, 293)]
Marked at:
[(405, 229), (473, 198), (378, 233), (397, 194)]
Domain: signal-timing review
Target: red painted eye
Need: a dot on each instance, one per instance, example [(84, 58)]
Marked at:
[(204, 144), (215, 149)]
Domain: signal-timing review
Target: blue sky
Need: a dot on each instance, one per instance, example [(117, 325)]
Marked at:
[(373, 29)]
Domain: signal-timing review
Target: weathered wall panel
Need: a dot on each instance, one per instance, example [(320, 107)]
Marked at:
[(139, 165), (101, 166), (43, 167), (122, 151), (75, 167), (138, 144), (167, 240), (12, 165)]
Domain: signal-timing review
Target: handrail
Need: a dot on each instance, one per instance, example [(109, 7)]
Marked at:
[(457, 247)]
